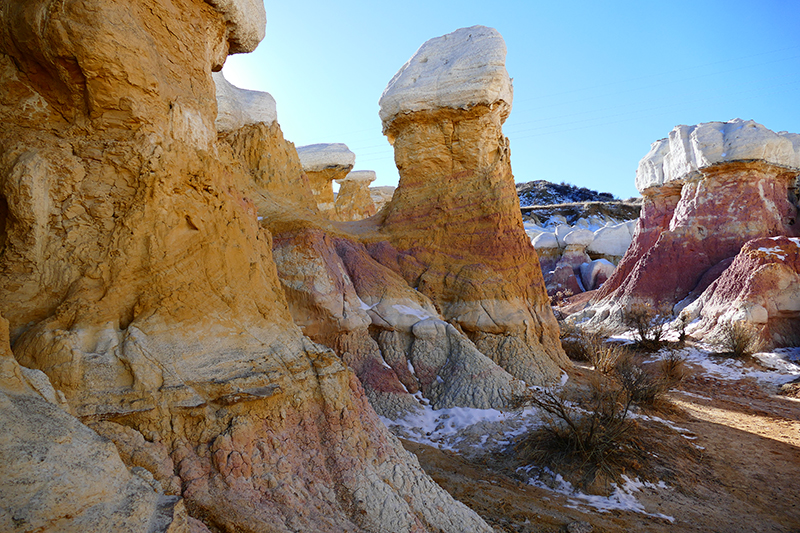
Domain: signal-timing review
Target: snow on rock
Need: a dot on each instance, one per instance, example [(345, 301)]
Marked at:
[(318, 157), (246, 21), (458, 70), (690, 148), (239, 107)]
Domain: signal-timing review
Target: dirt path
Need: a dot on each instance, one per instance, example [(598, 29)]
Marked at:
[(743, 474)]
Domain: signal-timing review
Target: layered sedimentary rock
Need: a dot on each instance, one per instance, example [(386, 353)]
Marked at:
[(390, 334), (136, 276), (708, 189), (324, 163), (761, 287), (354, 201), (456, 210)]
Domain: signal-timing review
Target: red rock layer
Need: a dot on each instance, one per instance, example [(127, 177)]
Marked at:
[(760, 287), (680, 238)]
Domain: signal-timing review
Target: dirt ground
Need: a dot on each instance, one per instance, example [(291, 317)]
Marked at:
[(729, 460)]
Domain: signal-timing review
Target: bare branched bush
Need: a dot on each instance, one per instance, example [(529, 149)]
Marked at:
[(604, 356), (644, 386), (590, 346), (587, 434), (649, 324), (739, 340), (673, 368)]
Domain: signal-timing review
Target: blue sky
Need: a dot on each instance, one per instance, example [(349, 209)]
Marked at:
[(594, 82)]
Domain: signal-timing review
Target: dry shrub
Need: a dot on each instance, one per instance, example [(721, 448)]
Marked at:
[(673, 368), (644, 386), (586, 435), (739, 340), (650, 326), (604, 356), (590, 346)]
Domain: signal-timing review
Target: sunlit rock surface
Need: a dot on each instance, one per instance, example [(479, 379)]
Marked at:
[(699, 210)]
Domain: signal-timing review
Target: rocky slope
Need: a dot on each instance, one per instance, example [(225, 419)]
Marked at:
[(542, 192)]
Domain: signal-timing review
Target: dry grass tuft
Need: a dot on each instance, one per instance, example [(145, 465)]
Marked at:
[(739, 340)]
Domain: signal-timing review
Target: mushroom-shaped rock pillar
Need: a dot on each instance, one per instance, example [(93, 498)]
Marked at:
[(354, 201), (324, 163), (708, 189), (456, 208)]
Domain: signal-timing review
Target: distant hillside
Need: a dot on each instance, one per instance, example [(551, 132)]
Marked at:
[(541, 192)]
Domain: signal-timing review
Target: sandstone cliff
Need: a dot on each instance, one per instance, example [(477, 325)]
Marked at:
[(136, 276)]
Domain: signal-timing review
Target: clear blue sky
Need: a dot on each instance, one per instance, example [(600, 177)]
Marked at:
[(594, 82)]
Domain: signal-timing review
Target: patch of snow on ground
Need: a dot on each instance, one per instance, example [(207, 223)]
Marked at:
[(464, 429), (622, 498), (783, 363)]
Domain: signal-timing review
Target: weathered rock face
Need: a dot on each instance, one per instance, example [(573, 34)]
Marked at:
[(390, 334), (701, 204), (135, 274), (324, 163), (456, 209), (57, 474), (274, 167), (354, 201), (761, 287)]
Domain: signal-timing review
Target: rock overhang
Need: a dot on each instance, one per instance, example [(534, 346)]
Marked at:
[(238, 107), (246, 21), (458, 70), (690, 149)]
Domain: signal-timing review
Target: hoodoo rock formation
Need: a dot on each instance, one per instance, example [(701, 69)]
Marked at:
[(456, 211), (708, 190), (324, 163), (136, 277), (354, 201)]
